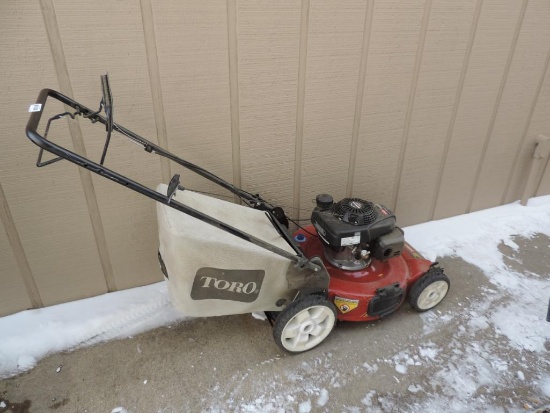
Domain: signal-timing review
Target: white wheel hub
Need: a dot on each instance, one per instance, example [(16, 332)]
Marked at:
[(432, 295), (307, 328)]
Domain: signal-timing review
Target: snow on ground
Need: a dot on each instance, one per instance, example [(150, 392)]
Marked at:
[(475, 238), (28, 336), (472, 361)]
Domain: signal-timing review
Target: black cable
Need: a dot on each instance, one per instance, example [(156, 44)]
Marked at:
[(297, 209), (222, 196), (294, 220), (207, 193), (301, 227), (92, 116)]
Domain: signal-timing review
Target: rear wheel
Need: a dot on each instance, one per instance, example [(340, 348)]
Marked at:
[(429, 290), (304, 324)]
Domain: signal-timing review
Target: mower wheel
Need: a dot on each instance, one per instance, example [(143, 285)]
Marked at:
[(429, 290), (304, 324)]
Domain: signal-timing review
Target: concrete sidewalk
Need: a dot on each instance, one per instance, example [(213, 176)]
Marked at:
[(450, 359)]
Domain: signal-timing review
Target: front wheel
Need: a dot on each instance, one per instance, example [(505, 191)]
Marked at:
[(429, 290), (304, 324)]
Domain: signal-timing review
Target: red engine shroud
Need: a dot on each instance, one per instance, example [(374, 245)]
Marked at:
[(352, 291)]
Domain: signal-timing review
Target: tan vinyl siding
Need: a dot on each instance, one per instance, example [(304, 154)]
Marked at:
[(431, 107)]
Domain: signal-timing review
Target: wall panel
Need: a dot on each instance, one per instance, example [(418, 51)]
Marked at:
[(514, 109), (13, 295), (446, 44), (544, 184), (268, 49), (491, 48), (119, 49), (266, 95), (192, 43), (332, 74), (539, 124), (394, 39), (47, 205)]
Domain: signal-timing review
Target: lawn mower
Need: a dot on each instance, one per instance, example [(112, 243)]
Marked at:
[(220, 258)]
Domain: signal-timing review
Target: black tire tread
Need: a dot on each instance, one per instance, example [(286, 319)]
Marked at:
[(432, 275)]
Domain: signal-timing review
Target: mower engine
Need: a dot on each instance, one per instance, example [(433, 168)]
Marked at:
[(354, 230)]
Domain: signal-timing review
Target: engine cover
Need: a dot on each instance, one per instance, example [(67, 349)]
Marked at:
[(352, 221), (353, 230)]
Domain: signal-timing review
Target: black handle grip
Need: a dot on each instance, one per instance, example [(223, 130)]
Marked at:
[(36, 114)]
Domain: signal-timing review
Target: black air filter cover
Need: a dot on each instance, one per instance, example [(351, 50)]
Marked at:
[(352, 221), (355, 211), (324, 201)]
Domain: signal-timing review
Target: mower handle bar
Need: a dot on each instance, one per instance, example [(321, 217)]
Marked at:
[(80, 110)]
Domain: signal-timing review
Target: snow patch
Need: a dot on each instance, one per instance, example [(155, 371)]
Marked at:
[(368, 399), (305, 407), (323, 398), (520, 375), (369, 368), (259, 316), (478, 323), (522, 329), (401, 369), (33, 334), (26, 362), (414, 388), (475, 238), (428, 352), (511, 244), (545, 386)]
